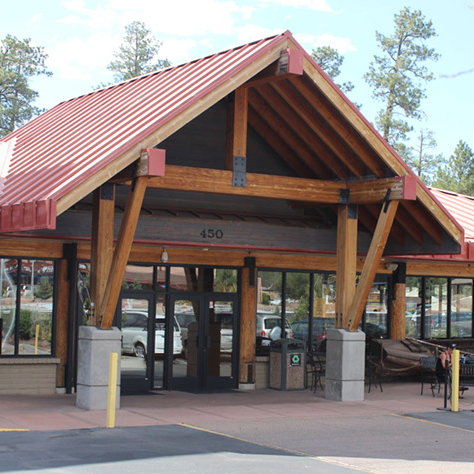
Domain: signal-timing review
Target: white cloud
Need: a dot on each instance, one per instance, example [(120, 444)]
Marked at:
[(318, 5), (178, 18), (249, 33), (341, 44), (80, 59), (177, 51)]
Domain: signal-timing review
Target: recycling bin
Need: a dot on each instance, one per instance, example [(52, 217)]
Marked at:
[(288, 364)]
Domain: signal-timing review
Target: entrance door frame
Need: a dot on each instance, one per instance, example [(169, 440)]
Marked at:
[(204, 381), (148, 295)]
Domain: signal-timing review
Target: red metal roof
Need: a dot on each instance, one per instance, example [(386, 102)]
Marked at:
[(69, 143)]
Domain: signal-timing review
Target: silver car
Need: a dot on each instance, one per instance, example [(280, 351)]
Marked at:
[(134, 334)]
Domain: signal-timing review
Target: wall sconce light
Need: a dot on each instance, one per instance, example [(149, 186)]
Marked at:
[(164, 255), (391, 266)]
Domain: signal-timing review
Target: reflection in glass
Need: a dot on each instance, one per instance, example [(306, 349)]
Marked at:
[(436, 304), (138, 277), (413, 307), (461, 307), (8, 277), (375, 325)]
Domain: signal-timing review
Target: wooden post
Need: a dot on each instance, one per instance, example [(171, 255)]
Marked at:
[(122, 252), (62, 321), (102, 244), (240, 122), (346, 261), (248, 325), (398, 305)]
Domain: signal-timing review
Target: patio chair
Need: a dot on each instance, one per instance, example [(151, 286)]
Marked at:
[(373, 371), (428, 374), (316, 370)]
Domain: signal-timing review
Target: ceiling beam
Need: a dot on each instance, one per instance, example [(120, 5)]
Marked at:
[(206, 180)]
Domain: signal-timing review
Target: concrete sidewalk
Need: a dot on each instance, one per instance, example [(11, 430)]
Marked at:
[(58, 412)]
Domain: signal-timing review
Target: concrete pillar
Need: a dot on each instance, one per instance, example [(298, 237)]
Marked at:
[(345, 365), (94, 349)]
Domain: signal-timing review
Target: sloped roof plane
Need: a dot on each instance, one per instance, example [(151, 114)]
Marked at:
[(70, 150)]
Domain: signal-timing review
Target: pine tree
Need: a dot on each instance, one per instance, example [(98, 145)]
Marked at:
[(458, 174), (137, 54), (19, 62), (330, 61), (398, 75)]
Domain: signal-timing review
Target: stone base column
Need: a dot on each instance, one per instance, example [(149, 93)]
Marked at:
[(345, 365), (94, 349)]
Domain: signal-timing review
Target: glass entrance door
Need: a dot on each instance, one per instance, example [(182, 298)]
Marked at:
[(136, 321), (209, 332)]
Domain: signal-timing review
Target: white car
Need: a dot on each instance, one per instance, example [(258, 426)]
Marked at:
[(134, 334)]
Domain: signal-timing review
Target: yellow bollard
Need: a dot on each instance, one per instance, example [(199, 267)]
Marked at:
[(455, 381), (36, 339), (112, 396)]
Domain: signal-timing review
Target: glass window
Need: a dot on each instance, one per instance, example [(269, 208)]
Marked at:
[(413, 307), (376, 311), (191, 279), (461, 307), (269, 293), (29, 295), (225, 280), (436, 299), (138, 277)]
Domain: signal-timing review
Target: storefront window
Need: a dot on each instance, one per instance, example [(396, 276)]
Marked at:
[(376, 318), (269, 293), (436, 306), (413, 307), (26, 307), (138, 277), (461, 307)]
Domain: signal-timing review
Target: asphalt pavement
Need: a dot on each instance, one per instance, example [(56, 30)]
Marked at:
[(397, 431)]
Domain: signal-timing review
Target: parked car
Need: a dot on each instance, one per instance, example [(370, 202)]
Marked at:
[(269, 326), (320, 328), (134, 334)]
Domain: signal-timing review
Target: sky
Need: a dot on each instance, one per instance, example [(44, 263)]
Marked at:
[(80, 37)]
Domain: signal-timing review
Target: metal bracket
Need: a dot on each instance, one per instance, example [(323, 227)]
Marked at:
[(240, 169), (344, 196), (107, 191)]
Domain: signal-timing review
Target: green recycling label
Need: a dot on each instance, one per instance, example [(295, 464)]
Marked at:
[(295, 360)]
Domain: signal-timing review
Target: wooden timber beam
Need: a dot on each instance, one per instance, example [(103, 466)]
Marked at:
[(121, 253), (184, 178), (300, 115), (236, 144), (317, 156), (102, 242), (346, 260), (366, 280)]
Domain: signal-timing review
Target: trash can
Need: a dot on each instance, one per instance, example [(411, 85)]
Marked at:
[(287, 364)]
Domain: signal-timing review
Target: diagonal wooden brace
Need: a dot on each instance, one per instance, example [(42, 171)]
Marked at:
[(366, 280)]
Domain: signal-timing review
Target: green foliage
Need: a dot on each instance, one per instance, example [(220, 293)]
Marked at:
[(458, 174), (424, 163), (19, 62), (45, 289), (330, 61), (297, 285), (398, 75), (265, 298), (226, 280), (25, 324), (137, 54)]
